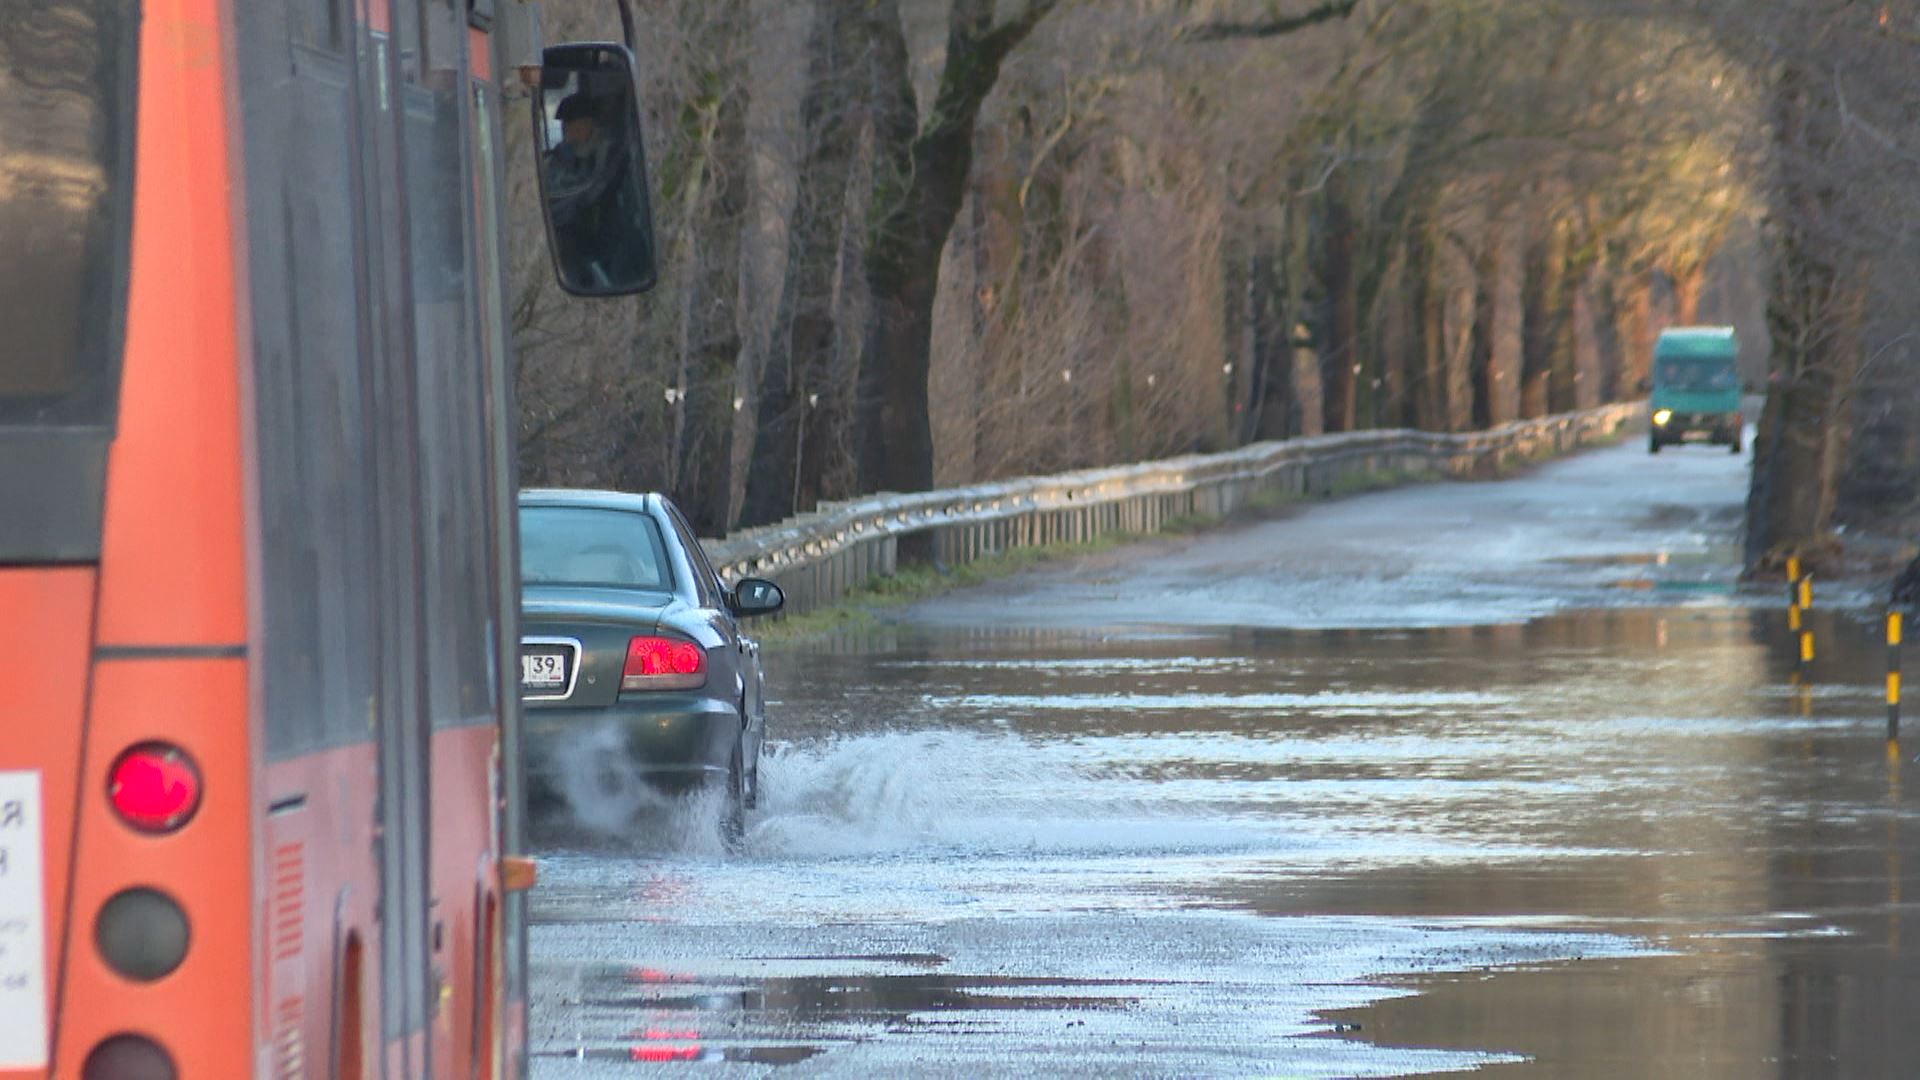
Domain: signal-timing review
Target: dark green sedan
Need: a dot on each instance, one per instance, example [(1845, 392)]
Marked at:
[(632, 664)]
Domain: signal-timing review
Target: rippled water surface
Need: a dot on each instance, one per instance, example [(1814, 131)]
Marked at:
[(1591, 837)]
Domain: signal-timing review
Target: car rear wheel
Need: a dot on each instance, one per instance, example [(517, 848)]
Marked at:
[(733, 808)]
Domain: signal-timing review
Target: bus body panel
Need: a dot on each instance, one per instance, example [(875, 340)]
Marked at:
[(173, 494), (374, 472), (322, 942), (203, 1011), (167, 624), (464, 892), (315, 275)]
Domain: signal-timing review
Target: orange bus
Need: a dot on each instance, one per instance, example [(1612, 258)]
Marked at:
[(258, 577)]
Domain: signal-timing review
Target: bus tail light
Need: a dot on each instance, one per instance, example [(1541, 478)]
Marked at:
[(663, 663), (154, 787), (129, 1057)]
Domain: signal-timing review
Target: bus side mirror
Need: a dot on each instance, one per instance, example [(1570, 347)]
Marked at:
[(1645, 385), (593, 170)]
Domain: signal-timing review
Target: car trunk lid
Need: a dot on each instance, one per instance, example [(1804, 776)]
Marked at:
[(555, 621)]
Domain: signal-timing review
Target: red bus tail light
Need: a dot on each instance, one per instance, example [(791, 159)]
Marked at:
[(154, 787), (663, 663)]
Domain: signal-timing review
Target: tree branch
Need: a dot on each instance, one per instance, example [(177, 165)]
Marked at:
[(1274, 27)]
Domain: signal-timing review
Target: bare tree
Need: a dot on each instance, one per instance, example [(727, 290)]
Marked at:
[(1036, 234), (921, 179), (716, 191), (797, 369)]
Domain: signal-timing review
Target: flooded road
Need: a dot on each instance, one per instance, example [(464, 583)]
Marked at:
[(1506, 777)]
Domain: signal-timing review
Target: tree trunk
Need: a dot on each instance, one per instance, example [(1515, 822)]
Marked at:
[(1814, 316), (1545, 303), (1269, 383), (1444, 293), (1606, 331), (1505, 324), (1633, 316), (1457, 293), (1687, 282), (1797, 456), (1304, 411), (1341, 358), (1392, 347), (1427, 291), (804, 334), (703, 472), (919, 183), (1587, 374), (1236, 322), (995, 237)]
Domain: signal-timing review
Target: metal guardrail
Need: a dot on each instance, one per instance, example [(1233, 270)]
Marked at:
[(819, 556)]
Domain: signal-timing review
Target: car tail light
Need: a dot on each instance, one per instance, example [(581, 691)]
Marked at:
[(663, 663), (154, 787)]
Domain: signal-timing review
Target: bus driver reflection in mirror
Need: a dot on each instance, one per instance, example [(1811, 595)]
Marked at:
[(585, 174), (572, 161)]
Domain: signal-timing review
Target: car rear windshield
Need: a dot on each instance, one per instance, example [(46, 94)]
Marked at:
[(576, 545)]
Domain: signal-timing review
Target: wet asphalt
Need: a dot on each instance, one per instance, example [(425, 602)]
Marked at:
[(1510, 777)]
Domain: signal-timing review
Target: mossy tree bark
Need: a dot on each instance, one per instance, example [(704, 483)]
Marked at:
[(702, 472), (1814, 318), (804, 334), (920, 181)]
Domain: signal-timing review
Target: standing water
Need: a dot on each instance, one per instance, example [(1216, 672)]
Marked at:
[(1144, 815)]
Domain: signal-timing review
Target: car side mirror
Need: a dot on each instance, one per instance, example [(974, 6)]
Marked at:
[(593, 170), (1644, 385), (756, 596)]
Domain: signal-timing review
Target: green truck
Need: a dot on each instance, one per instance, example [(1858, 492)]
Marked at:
[(1696, 387)]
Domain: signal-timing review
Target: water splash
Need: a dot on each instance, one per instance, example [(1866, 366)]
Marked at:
[(925, 794), (605, 802)]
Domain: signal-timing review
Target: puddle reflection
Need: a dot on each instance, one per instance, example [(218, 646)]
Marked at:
[(676, 1013), (1511, 798)]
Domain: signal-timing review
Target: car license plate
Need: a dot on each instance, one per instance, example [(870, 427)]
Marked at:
[(23, 962), (543, 671), (546, 667)]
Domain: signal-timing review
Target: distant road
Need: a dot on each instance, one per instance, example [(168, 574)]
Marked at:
[(1569, 533)]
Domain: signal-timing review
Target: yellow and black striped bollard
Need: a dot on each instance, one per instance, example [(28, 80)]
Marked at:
[(1793, 593), (1896, 622), (1798, 619)]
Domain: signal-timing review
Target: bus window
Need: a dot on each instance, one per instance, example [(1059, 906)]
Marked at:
[(318, 24), (451, 406), (66, 121), (66, 155)]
